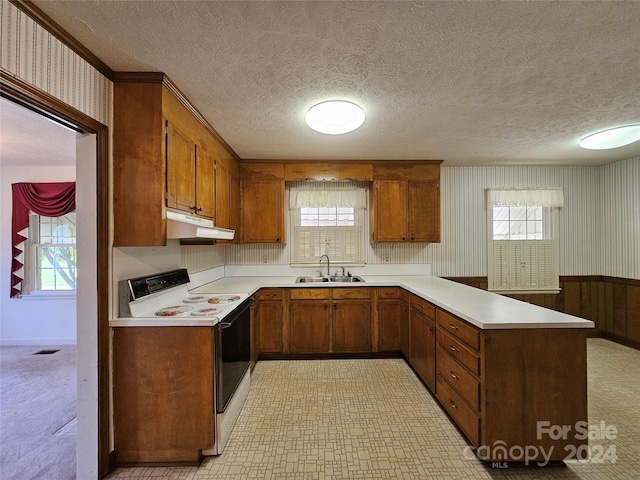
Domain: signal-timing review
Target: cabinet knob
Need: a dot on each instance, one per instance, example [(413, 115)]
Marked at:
[(454, 376)]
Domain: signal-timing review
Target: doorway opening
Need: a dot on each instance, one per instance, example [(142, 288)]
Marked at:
[(93, 292)]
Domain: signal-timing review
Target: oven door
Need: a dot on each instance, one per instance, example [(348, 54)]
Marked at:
[(233, 353)]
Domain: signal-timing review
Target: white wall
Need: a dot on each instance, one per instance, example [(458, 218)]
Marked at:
[(25, 321)]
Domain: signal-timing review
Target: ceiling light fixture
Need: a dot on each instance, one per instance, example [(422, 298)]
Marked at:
[(612, 138), (335, 117)]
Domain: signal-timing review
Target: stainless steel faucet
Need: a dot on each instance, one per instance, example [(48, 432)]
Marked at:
[(328, 264)]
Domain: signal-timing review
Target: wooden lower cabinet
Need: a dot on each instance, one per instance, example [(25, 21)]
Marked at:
[(269, 321), (309, 320), (162, 394), (351, 326), (498, 384), (392, 320), (422, 354)]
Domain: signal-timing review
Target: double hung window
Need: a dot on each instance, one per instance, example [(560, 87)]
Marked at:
[(51, 260), (327, 218), (522, 225)]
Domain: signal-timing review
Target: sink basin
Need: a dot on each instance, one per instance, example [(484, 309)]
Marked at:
[(311, 279), (346, 279), (325, 279)]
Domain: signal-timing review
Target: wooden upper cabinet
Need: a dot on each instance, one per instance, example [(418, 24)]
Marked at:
[(263, 211), (390, 211), (190, 175), (222, 197), (181, 170), (163, 158), (205, 185), (424, 211), (262, 202), (405, 203), (234, 207)]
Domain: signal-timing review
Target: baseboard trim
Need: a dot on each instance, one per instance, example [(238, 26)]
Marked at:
[(22, 342)]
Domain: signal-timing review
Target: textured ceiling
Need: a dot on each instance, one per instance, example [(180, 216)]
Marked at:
[(29, 139), (466, 82)]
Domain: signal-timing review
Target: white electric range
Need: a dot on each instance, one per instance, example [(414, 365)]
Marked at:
[(164, 300)]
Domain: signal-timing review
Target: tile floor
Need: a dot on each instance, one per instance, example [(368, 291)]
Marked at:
[(373, 419)]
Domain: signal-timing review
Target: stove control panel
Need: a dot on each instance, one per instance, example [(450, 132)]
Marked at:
[(143, 286)]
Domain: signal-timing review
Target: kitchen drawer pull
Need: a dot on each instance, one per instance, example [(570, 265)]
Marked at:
[(453, 327), (453, 405), (453, 375), (454, 349)]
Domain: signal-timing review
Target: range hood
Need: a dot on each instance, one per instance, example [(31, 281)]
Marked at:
[(181, 225)]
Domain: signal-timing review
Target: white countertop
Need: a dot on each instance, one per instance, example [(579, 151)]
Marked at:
[(483, 309)]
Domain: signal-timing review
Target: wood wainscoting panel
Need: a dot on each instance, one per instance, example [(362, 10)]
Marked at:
[(633, 312), (612, 303)]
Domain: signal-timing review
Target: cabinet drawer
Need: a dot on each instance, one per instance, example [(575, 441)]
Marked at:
[(460, 379), (466, 419), (389, 292), (459, 329), (268, 294), (348, 293), (424, 307), (309, 293), (459, 351)]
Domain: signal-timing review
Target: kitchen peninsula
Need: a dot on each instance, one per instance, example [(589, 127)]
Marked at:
[(501, 368)]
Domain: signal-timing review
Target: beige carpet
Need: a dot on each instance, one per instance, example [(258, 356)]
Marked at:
[(37, 413)]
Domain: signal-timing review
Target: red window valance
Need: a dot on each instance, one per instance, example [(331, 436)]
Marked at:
[(47, 199)]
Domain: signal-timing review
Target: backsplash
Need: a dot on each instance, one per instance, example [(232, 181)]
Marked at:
[(197, 258)]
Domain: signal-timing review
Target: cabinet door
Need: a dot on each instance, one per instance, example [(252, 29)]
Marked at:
[(424, 211), (205, 185), (162, 377), (269, 327), (234, 207), (351, 326), (262, 211), (222, 196), (390, 211), (423, 347), (309, 327), (389, 321), (181, 172)]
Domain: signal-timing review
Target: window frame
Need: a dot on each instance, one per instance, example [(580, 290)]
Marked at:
[(510, 266), (330, 232), (31, 279)]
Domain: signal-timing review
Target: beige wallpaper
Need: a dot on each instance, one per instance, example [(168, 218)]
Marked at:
[(32, 54), (618, 231)]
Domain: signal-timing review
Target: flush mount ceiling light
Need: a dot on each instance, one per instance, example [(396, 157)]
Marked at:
[(612, 138), (335, 117)]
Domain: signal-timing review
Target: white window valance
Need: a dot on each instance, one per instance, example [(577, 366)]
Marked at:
[(338, 197), (525, 197)]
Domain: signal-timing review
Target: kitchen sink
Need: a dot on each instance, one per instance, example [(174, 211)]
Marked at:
[(346, 279), (330, 279), (311, 279)]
